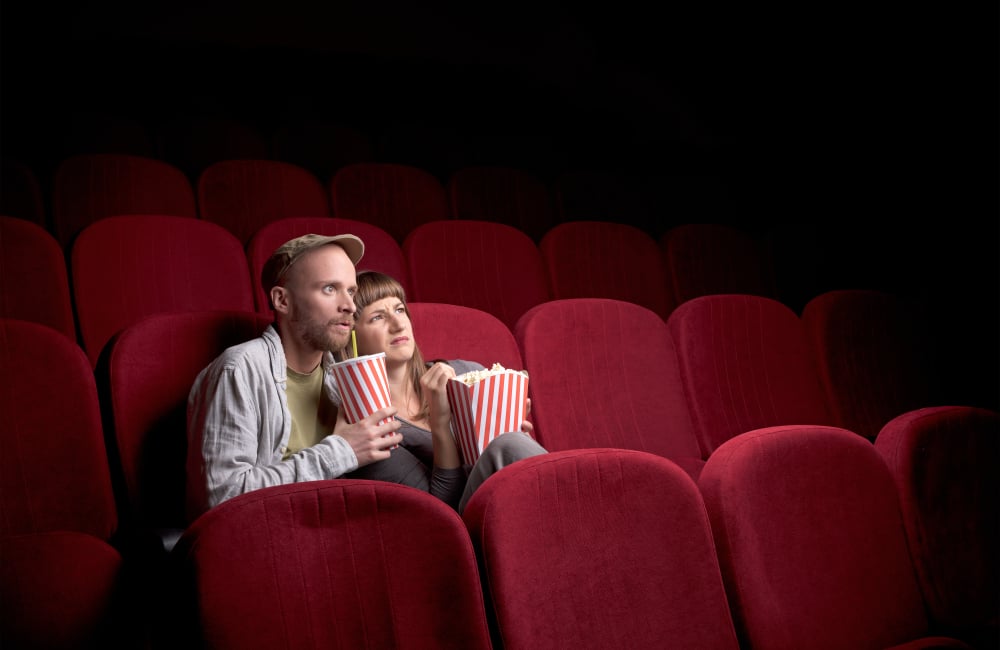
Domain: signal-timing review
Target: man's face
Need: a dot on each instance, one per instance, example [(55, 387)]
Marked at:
[(319, 298)]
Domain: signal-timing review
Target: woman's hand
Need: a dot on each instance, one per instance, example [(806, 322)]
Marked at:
[(526, 426), (434, 385)]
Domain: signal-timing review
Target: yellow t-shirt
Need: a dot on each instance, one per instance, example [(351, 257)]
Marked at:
[(313, 415)]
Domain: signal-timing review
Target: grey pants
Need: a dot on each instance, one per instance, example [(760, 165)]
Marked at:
[(404, 467)]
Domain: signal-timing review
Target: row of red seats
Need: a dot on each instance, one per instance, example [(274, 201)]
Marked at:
[(150, 263), (721, 411), (243, 195)]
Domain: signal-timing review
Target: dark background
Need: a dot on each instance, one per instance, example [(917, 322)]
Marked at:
[(860, 142)]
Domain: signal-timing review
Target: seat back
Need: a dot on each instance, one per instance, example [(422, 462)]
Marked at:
[(344, 563), (88, 187), (944, 461), (54, 468), (63, 590), (502, 194), (151, 367), (602, 259), (382, 252), (456, 332), (593, 384), (810, 540), (871, 354), (702, 259), (244, 195), (575, 551), (745, 364), (394, 197), (151, 264), (34, 284), (482, 264)]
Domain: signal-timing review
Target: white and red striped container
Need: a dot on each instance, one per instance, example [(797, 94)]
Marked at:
[(364, 386), (485, 409)]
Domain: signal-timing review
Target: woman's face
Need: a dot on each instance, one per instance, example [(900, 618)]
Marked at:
[(384, 326)]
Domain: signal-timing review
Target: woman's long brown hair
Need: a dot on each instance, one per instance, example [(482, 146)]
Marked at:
[(374, 286)]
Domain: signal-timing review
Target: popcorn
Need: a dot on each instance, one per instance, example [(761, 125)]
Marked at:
[(485, 404), (474, 376)]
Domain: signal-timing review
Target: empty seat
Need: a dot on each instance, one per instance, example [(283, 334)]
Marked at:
[(394, 197), (382, 252), (61, 578), (701, 259), (343, 563), (603, 373), (456, 332), (21, 192), (128, 267), (34, 284), (598, 548), (62, 590), (244, 195), (745, 364), (482, 264), (810, 540), (503, 194), (944, 462), (603, 259), (873, 356), (152, 364), (89, 187)]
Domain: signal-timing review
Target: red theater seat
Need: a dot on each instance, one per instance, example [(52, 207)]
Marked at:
[(456, 332), (598, 548)]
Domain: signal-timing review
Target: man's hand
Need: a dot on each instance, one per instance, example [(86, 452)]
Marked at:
[(369, 439)]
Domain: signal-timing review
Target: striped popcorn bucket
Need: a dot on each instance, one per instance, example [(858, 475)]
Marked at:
[(364, 386), (484, 410)]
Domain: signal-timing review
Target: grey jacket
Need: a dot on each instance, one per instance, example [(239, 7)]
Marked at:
[(238, 424)]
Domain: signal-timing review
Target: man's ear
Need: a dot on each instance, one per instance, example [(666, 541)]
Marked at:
[(279, 299)]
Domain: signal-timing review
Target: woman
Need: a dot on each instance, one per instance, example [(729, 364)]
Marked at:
[(428, 457)]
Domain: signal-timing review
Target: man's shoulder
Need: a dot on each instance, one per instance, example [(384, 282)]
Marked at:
[(248, 353)]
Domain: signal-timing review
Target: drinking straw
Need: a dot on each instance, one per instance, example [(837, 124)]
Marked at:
[(354, 344)]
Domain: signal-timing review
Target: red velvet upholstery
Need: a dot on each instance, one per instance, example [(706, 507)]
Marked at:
[(504, 195), (603, 373), (810, 539), (21, 192), (335, 564), (870, 354), (62, 590), (34, 284), (382, 252), (482, 264), (127, 267), (602, 259), (598, 548), (745, 364), (89, 187), (455, 332), (394, 197), (944, 462), (54, 466), (244, 195), (703, 259), (152, 365)]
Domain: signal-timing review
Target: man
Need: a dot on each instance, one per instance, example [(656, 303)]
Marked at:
[(261, 414)]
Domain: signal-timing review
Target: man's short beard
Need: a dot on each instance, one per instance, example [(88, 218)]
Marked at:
[(319, 337)]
